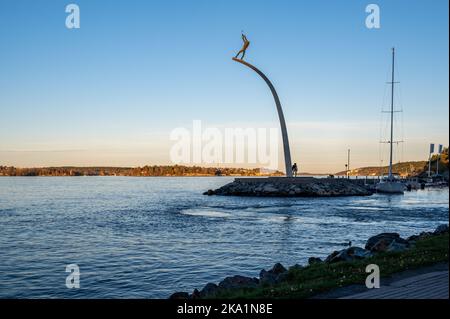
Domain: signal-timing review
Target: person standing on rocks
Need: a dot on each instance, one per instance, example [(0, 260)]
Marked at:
[(294, 169)]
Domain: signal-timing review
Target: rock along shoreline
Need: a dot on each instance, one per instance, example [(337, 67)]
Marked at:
[(384, 242), (291, 187)]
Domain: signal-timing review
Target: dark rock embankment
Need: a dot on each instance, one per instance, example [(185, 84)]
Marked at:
[(384, 242), (291, 187)]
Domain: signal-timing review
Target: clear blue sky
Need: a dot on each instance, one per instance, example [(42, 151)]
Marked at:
[(110, 92)]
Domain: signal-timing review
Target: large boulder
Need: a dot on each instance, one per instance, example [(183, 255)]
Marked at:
[(395, 246), (381, 242), (358, 253), (422, 235), (278, 269), (296, 267), (179, 295), (441, 229), (331, 256), (314, 260), (386, 236), (276, 274), (269, 188), (267, 278), (209, 290), (209, 192), (195, 294), (238, 282), (349, 254)]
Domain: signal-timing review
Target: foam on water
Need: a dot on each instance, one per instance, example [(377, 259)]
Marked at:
[(205, 213)]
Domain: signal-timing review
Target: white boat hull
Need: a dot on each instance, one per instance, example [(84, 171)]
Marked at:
[(390, 187)]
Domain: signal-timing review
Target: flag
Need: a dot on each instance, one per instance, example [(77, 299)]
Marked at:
[(440, 149), (431, 148)]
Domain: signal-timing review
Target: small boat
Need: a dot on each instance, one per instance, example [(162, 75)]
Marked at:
[(390, 184)]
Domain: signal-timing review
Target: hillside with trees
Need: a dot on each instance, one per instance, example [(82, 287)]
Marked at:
[(418, 168), (169, 170)]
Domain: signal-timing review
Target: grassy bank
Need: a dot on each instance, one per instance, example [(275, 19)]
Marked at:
[(322, 277)]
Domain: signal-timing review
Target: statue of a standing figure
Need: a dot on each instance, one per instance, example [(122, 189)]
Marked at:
[(244, 47)]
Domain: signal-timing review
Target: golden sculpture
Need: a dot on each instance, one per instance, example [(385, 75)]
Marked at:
[(244, 47)]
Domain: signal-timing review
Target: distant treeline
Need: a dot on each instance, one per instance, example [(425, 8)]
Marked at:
[(175, 170)]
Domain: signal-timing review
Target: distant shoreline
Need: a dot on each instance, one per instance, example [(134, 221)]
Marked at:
[(253, 176), (413, 168), (145, 171)]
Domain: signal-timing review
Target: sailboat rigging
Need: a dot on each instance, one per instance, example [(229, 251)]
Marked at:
[(390, 184)]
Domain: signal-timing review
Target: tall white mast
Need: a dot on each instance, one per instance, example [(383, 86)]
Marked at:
[(391, 142)]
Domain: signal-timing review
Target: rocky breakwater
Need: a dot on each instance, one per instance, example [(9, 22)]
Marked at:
[(291, 187), (381, 243)]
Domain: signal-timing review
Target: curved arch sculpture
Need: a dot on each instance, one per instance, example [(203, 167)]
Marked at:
[(287, 152)]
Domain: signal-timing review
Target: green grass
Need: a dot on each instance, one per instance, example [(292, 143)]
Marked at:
[(318, 278)]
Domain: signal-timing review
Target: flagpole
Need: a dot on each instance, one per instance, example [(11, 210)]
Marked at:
[(437, 165), (429, 160), (429, 165), (438, 158)]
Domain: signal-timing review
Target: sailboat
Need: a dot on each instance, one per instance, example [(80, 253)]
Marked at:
[(390, 184)]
